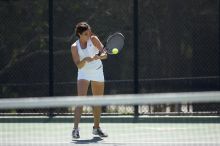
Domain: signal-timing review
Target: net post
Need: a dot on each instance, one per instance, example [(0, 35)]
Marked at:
[(51, 61), (218, 82), (219, 49), (135, 29)]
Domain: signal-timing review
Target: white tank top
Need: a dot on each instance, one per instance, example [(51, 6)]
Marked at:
[(89, 51)]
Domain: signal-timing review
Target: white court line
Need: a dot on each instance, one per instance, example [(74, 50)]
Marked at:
[(103, 142), (162, 142)]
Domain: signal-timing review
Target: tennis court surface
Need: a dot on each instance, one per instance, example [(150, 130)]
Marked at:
[(119, 134), (123, 130)]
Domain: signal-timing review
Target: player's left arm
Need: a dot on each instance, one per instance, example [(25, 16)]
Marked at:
[(98, 44)]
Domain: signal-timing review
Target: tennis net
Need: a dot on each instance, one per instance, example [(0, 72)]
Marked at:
[(123, 128)]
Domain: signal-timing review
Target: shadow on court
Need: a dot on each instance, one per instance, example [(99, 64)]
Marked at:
[(87, 141)]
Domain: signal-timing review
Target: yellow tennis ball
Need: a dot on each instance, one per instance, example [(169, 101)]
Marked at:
[(115, 51)]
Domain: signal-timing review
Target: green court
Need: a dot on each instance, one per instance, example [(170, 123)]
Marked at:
[(140, 133)]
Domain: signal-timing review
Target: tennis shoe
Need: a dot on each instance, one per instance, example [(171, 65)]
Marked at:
[(99, 132), (75, 133)]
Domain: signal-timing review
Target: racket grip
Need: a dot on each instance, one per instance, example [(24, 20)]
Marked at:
[(99, 53)]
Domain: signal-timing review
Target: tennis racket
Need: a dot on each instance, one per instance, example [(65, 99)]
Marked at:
[(114, 41)]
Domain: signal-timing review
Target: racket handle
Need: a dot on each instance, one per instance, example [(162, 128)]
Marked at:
[(103, 51), (99, 53)]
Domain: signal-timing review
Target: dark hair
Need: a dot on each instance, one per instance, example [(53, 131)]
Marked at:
[(81, 27)]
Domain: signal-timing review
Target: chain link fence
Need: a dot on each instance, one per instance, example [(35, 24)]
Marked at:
[(178, 49)]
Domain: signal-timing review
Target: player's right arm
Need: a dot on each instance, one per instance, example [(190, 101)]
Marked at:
[(76, 58)]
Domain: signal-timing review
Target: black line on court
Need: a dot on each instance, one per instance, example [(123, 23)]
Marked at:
[(120, 119)]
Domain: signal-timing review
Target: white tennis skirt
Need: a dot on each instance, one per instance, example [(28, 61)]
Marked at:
[(91, 75)]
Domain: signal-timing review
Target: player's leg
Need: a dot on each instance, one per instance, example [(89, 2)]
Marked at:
[(97, 89), (82, 89)]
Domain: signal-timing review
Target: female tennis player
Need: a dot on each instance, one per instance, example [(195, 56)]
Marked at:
[(90, 69)]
